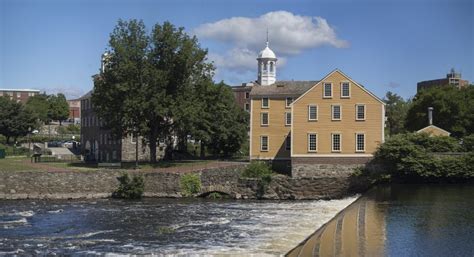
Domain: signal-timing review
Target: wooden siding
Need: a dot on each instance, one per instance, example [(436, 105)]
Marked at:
[(276, 130), (348, 126)]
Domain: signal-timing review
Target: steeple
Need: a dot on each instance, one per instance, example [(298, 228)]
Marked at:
[(266, 66)]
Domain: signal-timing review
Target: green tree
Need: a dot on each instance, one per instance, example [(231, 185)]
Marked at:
[(149, 84), (58, 108), (40, 106), (453, 110), (15, 119), (229, 122), (396, 110)]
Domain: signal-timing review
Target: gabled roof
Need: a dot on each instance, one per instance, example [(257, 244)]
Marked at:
[(283, 88), (87, 95), (433, 127), (351, 80)]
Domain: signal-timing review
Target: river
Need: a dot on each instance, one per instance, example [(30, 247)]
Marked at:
[(400, 220), (160, 226)]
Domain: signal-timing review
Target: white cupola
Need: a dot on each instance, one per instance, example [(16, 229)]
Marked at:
[(266, 66)]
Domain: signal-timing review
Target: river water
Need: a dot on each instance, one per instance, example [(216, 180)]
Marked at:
[(400, 220), (160, 226)]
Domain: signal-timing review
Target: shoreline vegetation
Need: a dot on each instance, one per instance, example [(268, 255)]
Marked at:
[(419, 158)]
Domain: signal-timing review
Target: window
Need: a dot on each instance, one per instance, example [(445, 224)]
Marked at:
[(312, 142), (336, 142), (360, 142), (289, 100), (247, 107), (345, 90), (312, 112), (247, 95), (271, 66), (360, 112), (264, 143), (265, 102), (327, 90), (288, 143), (287, 118), (133, 139), (264, 119), (336, 112)]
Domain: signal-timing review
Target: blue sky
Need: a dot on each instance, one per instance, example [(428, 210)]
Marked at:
[(383, 44)]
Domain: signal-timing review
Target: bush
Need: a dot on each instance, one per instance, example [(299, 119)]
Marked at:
[(190, 184), (409, 157), (130, 188), (261, 171), (468, 143)]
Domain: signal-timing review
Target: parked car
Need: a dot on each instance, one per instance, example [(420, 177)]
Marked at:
[(70, 144)]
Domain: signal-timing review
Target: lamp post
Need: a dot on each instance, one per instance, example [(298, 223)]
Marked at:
[(29, 141)]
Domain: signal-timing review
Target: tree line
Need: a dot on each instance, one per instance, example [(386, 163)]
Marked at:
[(159, 85), (17, 119), (453, 110)]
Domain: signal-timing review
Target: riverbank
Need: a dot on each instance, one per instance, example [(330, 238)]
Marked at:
[(57, 184)]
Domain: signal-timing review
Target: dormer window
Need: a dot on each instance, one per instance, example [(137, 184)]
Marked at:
[(289, 100)]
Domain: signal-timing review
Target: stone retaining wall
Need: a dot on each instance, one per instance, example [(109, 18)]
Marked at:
[(101, 184)]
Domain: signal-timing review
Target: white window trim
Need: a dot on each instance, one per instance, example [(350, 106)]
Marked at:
[(268, 101), (308, 142), (286, 119), (343, 96), (268, 143), (340, 111), (286, 143), (286, 102), (324, 90), (261, 119), (317, 112), (131, 140), (357, 111), (332, 142), (360, 151)]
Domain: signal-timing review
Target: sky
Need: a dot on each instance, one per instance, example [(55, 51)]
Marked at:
[(385, 45)]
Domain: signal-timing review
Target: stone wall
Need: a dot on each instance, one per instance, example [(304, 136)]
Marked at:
[(102, 183), (326, 166)]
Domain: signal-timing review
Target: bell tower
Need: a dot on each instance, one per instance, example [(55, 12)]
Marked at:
[(266, 66)]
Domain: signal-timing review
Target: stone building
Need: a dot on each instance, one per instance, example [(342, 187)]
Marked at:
[(312, 127), (453, 78), (98, 143), (20, 95)]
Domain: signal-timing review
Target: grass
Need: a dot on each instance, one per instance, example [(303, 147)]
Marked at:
[(16, 164)]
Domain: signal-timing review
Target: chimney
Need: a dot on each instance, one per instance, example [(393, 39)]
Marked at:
[(430, 115)]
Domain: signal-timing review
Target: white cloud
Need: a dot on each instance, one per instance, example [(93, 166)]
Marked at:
[(289, 34)]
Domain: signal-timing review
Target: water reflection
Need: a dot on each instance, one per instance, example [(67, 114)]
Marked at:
[(400, 220)]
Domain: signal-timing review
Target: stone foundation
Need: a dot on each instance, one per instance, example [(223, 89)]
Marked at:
[(326, 166)]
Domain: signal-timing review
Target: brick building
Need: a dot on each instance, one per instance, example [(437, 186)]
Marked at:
[(242, 95), (98, 143), (452, 79), (74, 110), (20, 95)]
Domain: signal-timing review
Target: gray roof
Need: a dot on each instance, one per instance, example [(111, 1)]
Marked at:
[(283, 88), (87, 95)]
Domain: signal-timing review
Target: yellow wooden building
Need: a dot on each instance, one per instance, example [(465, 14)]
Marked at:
[(302, 124)]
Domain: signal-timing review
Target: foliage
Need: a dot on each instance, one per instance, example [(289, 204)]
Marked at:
[(396, 111), (70, 129), (453, 110), (165, 230), (130, 188), (15, 119), (190, 184), (215, 195), (468, 143), (261, 171), (39, 104), (150, 83), (58, 108), (417, 157), (13, 150), (222, 125)]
